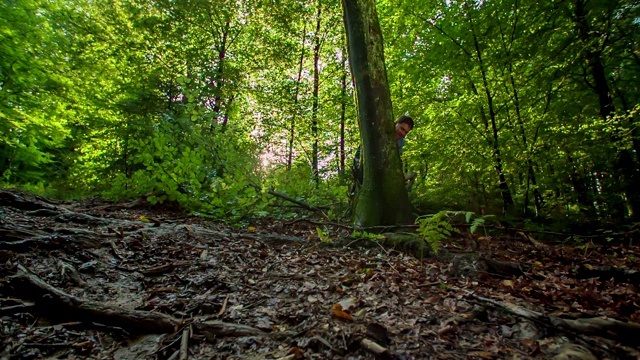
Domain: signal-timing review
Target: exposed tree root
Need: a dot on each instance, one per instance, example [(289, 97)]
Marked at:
[(49, 242), (56, 301), (52, 300), (624, 332)]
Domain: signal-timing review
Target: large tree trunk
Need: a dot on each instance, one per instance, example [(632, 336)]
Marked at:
[(626, 163), (383, 198)]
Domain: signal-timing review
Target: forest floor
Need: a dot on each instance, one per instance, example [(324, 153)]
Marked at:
[(101, 280)]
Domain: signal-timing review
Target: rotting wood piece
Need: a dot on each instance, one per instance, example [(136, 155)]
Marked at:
[(506, 268), (214, 329), (605, 273), (54, 300)]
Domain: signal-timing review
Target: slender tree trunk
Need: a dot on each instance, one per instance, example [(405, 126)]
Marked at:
[(343, 112), (581, 189), (383, 198), (507, 200), (219, 79), (531, 176), (316, 86), (295, 99)]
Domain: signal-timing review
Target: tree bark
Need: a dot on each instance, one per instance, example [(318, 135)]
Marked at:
[(626, 163), (316, 86), (295, 99), (219, 79), (507, 200), (383, 198), (343, 113)]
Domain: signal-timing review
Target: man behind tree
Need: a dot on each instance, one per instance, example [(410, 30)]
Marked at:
[(404, 124)]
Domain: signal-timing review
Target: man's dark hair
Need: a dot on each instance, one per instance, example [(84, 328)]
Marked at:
[(406, 120)]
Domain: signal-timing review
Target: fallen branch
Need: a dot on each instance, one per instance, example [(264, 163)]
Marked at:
[(116, 253), (184, 344), (214, 329), (538, 245), (288, 198), (374, 348)]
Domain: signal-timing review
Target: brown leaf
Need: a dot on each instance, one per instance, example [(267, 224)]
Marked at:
[(296, 352), (482, 354), (446, 330), (337, 312)]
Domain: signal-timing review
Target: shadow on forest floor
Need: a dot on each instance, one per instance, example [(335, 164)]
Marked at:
[(94, 279)]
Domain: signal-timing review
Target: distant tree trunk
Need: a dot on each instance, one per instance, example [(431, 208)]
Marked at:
[(626, 163), (581, 189), (316, 85), (219, 79), (295, 99), (343, 112), (507, 200), (531, 175), (383, 198)]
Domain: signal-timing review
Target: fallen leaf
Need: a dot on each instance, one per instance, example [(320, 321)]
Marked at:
[(348, 304), (446, 330), (360, 313), (251, 228), (264, 323), (508, 283), (482, 354), (337, 312), (342, 315), (296, 352)]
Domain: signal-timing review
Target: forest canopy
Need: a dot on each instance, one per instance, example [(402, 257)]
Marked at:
[(526, 109)]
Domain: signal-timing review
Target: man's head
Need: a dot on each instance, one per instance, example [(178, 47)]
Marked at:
[(404, 124)]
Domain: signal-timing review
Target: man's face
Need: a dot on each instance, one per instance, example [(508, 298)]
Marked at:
[(402, 129)]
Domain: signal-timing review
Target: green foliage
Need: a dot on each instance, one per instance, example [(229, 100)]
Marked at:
[(477, 221), (324, 236), (367, 235), (175, 102), (435, 228)]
